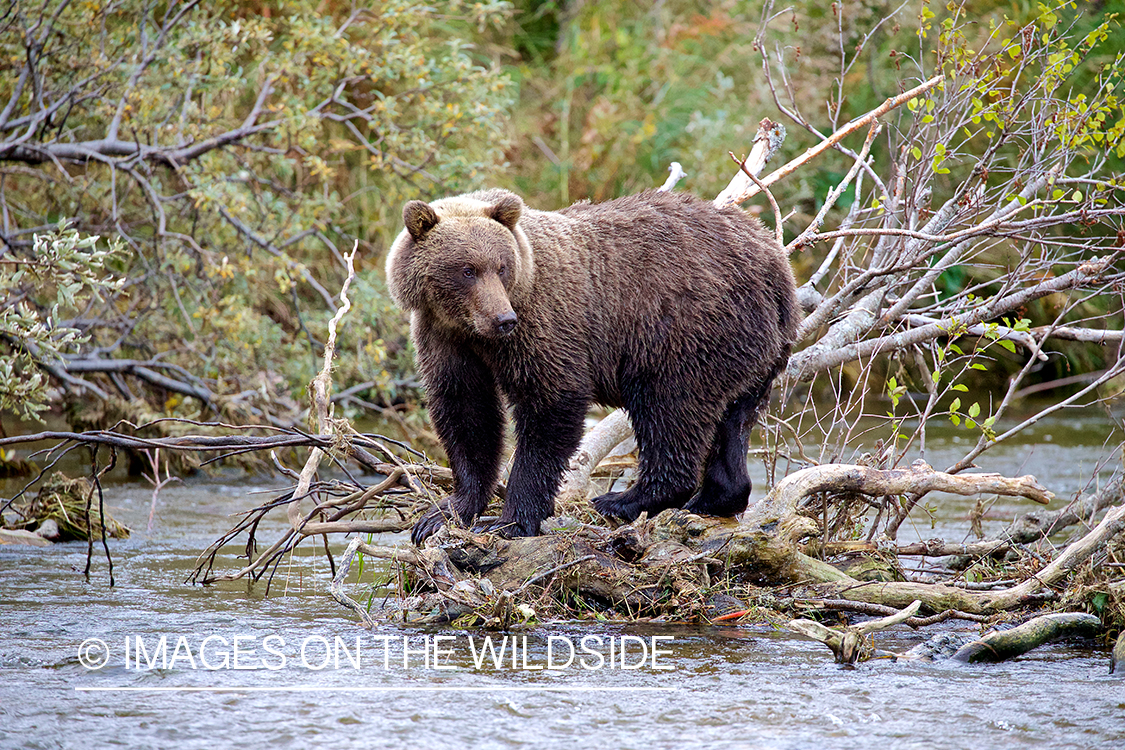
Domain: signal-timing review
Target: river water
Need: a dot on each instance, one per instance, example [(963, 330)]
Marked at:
[(297, 683)]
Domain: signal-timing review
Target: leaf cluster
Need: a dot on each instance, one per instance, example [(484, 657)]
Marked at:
[(233, 149)]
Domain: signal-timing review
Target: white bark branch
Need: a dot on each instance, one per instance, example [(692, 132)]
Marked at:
[(785, 498)]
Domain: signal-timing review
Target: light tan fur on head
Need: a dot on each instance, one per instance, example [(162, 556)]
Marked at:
[(470, 230)]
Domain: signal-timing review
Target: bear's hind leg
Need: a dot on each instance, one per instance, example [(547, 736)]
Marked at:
[(726, 482)]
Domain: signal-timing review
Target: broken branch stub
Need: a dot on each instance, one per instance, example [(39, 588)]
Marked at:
[(767, 141)]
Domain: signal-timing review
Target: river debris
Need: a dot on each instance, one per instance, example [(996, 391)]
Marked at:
[(63, 510), (782, 560), (1000, 645), (852, 643), (669, 565), (682, 567)]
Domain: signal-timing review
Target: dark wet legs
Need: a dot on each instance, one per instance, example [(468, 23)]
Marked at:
[(669, 440), (726, 482)]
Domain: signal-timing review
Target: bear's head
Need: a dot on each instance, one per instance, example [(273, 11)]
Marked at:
[(463, 259)]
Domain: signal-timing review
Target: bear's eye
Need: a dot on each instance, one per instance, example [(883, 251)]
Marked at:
[(469, 273), (503, 270)]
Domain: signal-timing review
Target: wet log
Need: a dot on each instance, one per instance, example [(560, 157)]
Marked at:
[(1007, 644), (924, 548), (935, 597), (19, 536)]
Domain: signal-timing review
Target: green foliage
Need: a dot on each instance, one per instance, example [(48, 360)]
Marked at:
[(613, 92), (66, 273), (249, 144), (237, 150)]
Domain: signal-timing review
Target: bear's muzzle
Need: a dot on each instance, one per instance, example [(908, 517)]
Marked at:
[(506, 322)]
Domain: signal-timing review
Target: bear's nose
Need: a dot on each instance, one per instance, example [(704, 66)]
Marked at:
[(506, 322)]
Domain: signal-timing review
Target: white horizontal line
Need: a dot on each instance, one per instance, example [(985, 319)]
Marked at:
[(398, 689)]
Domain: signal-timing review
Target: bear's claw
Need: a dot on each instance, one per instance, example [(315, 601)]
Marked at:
[(506, 529), (431, 523), (617, 505)]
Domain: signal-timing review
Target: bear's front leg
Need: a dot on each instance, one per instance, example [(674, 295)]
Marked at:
[(466, 411), (547, 435)]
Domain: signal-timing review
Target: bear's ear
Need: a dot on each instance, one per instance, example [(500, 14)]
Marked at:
[(507, 211), (419, 218)]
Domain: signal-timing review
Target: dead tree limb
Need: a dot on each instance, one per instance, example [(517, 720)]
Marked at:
[(857, 124), (596, 445), (924, 548), (1038, 524), (320, 390), (851, 644), (767, 142), (785, 498), (1073, 556)]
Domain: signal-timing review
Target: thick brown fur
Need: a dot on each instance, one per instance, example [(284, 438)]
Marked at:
[(681, 313)]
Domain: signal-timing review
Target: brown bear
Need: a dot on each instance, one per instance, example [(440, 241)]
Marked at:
[(660, 303)]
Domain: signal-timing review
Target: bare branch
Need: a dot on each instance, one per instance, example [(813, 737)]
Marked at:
[(785, 498), (839, 135)]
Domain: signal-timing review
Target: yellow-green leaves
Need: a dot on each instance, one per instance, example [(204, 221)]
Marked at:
[(939, 157)]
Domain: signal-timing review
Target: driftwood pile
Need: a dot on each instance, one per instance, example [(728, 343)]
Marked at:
[(682, 567), (770, 563)]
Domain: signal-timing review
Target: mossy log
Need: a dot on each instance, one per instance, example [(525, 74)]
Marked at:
[(71, 504), (1007, 644), (851, 644)]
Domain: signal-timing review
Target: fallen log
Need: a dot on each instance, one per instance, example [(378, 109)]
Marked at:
[(1001, 645), (924, 548), (851, 644), (1074, 555)]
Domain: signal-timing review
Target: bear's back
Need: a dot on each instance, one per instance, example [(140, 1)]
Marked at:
[(660, 252), (662, 281)]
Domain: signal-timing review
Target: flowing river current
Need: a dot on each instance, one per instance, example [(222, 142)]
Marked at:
[(203, 667)]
